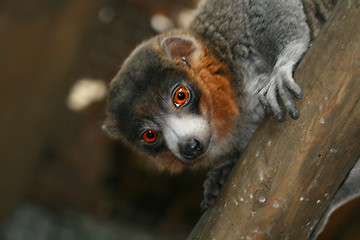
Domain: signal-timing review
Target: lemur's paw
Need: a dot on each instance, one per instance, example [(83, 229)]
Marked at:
[(281, 85), (213, 184)]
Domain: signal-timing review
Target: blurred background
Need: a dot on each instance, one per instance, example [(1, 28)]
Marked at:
[(61, 177)]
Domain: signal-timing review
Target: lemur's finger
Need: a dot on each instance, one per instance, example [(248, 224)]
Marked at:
[(293, 86), (271, 96), (262, 98), (289, 103)]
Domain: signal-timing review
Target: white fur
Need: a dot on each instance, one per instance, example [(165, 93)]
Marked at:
[(179, 129)]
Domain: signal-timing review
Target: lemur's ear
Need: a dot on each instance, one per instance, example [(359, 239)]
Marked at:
[(110, 129), (178, 47)]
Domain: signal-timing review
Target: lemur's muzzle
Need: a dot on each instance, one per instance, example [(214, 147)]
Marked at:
[(192, 149)]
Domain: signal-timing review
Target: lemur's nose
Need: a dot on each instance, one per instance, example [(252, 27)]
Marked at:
[(192, 149)]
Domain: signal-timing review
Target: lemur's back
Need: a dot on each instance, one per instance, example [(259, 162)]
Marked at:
[(243, 30), (237, 27)]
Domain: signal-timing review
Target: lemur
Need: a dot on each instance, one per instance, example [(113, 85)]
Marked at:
[(193, 97)]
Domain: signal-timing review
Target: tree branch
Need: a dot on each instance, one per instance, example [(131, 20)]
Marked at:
[(290, 171)]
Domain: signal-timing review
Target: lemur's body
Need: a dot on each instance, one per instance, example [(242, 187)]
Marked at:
[(194, 97)]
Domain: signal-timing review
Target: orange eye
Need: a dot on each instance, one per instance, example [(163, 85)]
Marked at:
[(149, 136), (181, 96)]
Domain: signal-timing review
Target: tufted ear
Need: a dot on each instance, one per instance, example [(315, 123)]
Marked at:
[(178, 47)]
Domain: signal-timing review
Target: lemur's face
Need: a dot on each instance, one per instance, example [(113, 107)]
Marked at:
[(174, 103)]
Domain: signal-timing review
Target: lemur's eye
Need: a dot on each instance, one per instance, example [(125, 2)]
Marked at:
[(149, 136), (181, 96)]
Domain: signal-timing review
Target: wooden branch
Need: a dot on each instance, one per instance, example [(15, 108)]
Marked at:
[(290, 171)]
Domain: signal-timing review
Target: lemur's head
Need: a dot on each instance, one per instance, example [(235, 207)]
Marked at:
[(174, 101)]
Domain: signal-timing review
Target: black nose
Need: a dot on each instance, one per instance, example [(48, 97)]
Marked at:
[(192, 149)]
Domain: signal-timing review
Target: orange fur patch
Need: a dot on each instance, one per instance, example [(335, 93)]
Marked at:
[(218, 100), (218, 93)]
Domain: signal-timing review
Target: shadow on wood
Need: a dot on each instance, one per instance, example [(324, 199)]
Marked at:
[(290, 171)]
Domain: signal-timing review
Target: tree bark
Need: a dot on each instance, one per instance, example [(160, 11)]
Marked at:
[(290, 171)]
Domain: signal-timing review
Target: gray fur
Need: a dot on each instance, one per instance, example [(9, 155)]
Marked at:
[(262, 42)]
